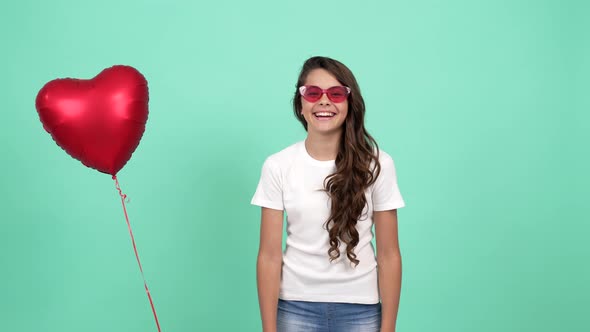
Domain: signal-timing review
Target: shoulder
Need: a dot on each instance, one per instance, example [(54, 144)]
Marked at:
[(384, 158), (284, 157)]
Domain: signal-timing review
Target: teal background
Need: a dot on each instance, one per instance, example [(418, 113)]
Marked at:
[(482, 104)]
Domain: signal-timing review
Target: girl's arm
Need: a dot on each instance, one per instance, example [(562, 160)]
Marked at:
[(389, 264), (268, 266)]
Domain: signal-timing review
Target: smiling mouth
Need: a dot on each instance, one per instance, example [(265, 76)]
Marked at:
[(324, 115)]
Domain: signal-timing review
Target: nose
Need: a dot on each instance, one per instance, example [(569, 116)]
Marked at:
[(324, 100)]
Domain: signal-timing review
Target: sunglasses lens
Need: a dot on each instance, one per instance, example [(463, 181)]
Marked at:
[(337, 94), (312, 93)]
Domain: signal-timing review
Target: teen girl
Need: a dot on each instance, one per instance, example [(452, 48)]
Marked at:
[(334, 187)]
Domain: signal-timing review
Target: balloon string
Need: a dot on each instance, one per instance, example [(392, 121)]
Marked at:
[(123, 198)]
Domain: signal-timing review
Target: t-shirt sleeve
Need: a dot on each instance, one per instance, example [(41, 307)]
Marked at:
[(269, 192), (386, 194)]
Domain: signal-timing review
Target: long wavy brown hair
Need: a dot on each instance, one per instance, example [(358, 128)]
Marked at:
[(357, 162)]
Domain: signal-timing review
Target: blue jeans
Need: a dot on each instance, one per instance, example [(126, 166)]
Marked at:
[(300, 316)]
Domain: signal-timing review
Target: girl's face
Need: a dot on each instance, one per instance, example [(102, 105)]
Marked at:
[(323, 116)]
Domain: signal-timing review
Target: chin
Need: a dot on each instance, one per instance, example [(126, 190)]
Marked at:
[(325, 130)]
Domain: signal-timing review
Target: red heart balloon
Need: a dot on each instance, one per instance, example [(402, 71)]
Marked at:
[(98, 121)]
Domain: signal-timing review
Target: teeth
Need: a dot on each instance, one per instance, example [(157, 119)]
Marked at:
[(324, 114)]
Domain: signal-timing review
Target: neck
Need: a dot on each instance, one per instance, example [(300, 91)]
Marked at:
[(323, 146)]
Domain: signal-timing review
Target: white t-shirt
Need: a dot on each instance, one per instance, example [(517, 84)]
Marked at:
[(292, 181)]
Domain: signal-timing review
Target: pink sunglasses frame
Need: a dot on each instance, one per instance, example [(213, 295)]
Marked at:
[(303, 88)]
